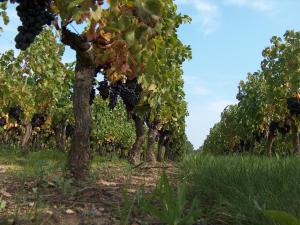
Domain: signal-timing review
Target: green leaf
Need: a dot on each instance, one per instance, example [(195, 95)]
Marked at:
[(2, 204), (130, 38), (154, 6), (282, 218)]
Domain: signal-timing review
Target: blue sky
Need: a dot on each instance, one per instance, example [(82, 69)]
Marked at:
[(227, 38)]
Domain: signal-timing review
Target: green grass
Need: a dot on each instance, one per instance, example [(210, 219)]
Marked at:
[(234, 189), (44, 172), (44, 163), (35, 164)]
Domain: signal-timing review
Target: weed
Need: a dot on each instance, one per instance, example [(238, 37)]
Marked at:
[(169, 205), (282, 218)]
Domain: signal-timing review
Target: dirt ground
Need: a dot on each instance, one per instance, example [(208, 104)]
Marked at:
[(101, 202)]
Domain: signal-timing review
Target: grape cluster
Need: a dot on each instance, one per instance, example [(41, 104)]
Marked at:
[(113, 97), (15, 112), (70, 130), (129, 93), (33, 15), (38, 120), (282, 129), (2, 121), (258, 136), (103, 89), (293, 105), (92, 95), (129, 96), (273, 126)]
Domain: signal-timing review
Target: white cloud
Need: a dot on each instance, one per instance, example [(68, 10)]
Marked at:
[(209, 11), (208, 14), (257, 5)]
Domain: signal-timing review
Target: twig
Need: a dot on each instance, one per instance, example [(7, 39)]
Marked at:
[(137, 166), (156, 167)]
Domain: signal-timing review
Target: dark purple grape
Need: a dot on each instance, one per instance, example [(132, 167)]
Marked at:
[(15, 113), (113, 98), (33, 15), (104, 89), (92, 95), (38, 120), (2, 121), (70, 130)]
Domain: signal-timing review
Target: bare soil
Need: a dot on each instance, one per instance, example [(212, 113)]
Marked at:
[(97, 202)]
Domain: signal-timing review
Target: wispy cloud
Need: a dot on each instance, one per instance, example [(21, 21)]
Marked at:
[(257, 5), (207, 13)]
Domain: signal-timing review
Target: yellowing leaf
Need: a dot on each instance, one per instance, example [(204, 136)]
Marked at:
[(152, 87), (106, 36), (97, 14)]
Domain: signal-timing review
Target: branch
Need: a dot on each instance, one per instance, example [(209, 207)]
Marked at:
[(73, 40)]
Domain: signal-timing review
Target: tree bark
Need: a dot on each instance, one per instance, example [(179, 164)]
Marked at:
[(37, 140), (60, 135), (135, 152), (270, 141), (152, 134), (160, 148), (168, 150), (27, 135), (123, 153), (80, 155), (295, 133)]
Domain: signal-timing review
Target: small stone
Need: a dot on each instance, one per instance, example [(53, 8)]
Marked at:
[(70, 211), (5, 194), (49, 212)]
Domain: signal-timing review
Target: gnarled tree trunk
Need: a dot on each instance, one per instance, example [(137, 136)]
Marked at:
[(80, 156), (152, 134), (135, 152), (168, 150), (295, 133), (60, 135), (160, 148), (27, 135), (270, 141)]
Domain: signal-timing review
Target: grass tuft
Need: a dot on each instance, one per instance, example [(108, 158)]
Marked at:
[(235, 189)]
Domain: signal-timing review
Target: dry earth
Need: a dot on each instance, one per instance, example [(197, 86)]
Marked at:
[(30, 202)]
